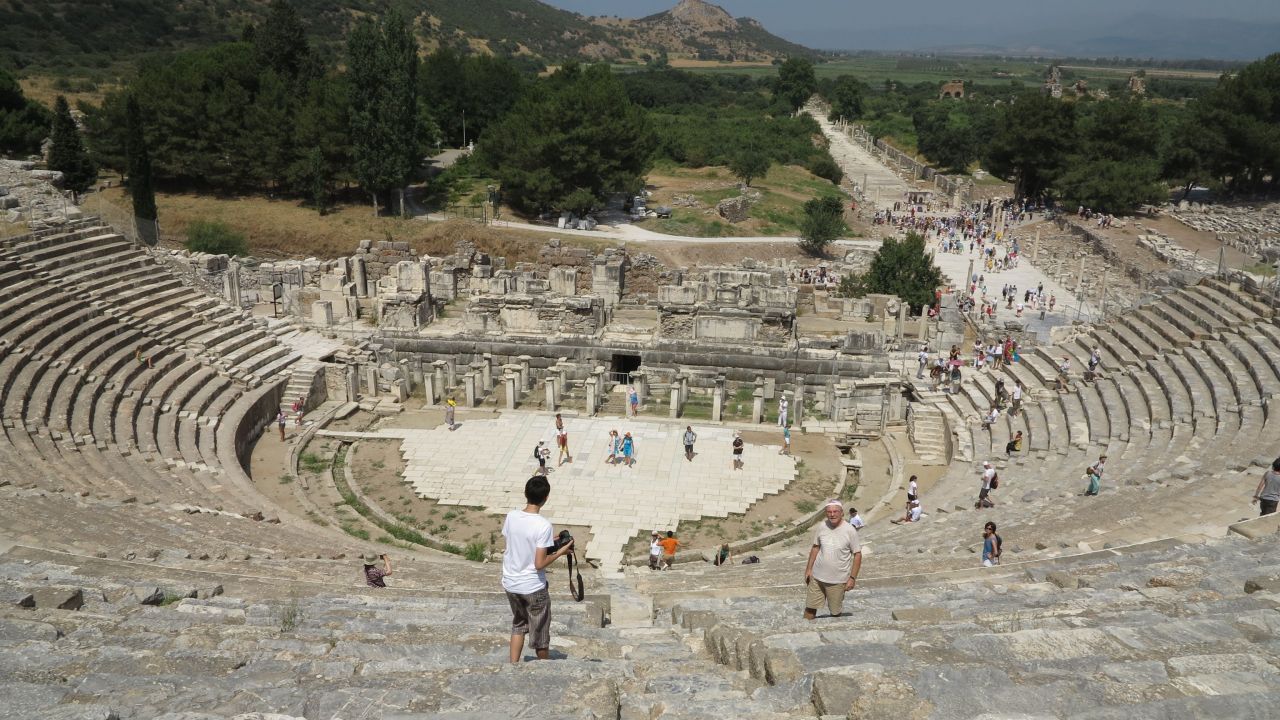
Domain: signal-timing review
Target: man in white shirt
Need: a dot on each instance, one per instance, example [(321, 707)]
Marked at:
[(835, 559), (524, 576), (921, 361), (988, 475), (1017, 399)]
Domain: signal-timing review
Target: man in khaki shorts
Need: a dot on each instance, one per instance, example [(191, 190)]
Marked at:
[(834, 563)]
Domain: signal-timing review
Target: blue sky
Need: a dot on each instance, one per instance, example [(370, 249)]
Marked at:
[(853, 24)]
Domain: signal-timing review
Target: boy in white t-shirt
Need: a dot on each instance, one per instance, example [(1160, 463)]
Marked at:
[(655, 551), (524, 576)]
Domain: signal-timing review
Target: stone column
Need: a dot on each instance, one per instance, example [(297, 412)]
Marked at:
[(641, 382), (406, 373), (550, 384), (438, 373), (451, 372), (757, 405), (429, 389), (797, 403), (362, 279), (487, 371), (675, 398), (419, 377), (924, 326), (684, 390), (902, 320), (231, 285), (600, 376), (524, 372), (400, 390), (717, 401), (371, 379), (511, 379), (590, 386), (353, 383), (478, 369), (469, 385)]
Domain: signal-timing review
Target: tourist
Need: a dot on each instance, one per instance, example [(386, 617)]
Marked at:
[(1016, 397), (540, 454), (1063, 381), (280, 422), (690, 438), (922, 359), (612, 448), (835, 559), (1094, 475), (1002, 395), (449, 408), (913, 490), (990, 481), (633, 399), (373, 575), (1095, 361), (1268, 492), (655, 551), (991, 545), (297, 419), (855, 519), (524, 577), (782, 412), (992, 417), (562, 442), (786, 441), (737, 450), (912, 515), (723, 556), (669, 545), (1014, 445), (628, 450), (1052, 300)]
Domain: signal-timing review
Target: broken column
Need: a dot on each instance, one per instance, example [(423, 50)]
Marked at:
[(353, 383), (231, 284), (469, 386), (592, 402), (362, 279), (757, 404), (486, 371), (510, 380), (675, 396), (371, 379), (429, 389), (796, 410), (524, 372), (438, 374), (550, 384), (717, 400), (400, 390)]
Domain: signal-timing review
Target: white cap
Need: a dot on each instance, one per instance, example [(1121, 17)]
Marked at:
[(835, 502), (986, 463)]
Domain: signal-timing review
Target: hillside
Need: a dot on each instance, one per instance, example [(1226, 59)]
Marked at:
[(77, 35)]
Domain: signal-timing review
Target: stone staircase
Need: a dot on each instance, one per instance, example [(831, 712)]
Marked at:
[(928, 431)]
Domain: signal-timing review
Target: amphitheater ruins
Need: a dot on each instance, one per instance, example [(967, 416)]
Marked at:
[(167, 555)]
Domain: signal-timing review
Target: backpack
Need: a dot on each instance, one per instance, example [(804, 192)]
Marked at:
[(995, 481), (751, 560)]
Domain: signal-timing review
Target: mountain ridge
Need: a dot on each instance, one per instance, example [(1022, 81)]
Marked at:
[(100, 33)]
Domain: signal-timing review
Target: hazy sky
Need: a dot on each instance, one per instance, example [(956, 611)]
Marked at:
[(854, 24)]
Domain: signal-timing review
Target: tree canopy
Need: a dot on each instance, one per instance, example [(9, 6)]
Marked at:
[(822, 223), (1032, 138), (67, 154), (570, 142), (900, 267), (24, 124), (796, 82)]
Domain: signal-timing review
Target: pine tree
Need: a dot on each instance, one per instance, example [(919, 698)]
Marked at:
[(141, 188), (68, 155), (280, 43)]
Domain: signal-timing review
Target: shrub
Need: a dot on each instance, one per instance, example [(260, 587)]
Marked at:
[(826, 168), (215, 238), (476, 552), (822, 223)]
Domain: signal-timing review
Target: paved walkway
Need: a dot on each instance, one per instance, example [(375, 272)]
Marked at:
[(883, 186), (485, 462)]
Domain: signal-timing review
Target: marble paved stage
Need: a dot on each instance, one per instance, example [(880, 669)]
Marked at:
[(486, 462)]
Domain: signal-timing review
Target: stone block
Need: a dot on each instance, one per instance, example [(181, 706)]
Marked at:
[(55, 598), (1262, 584), (1062, 580), (148, 594), (922, 615)]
